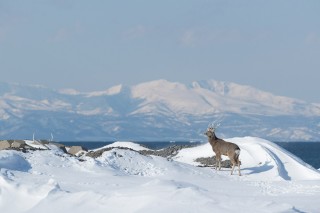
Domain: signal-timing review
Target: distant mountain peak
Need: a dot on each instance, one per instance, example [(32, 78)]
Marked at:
[(111, 91), (219, 87), (69, 91), (115, 90)]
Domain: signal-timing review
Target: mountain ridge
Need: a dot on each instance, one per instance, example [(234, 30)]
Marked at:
[(176, 111)]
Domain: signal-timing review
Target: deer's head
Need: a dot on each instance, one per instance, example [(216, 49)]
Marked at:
[(209, 132), (211, 129)]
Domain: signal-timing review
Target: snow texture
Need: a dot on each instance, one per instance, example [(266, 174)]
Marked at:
[(122, 180)]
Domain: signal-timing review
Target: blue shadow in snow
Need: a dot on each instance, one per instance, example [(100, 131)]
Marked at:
[(254, 170)]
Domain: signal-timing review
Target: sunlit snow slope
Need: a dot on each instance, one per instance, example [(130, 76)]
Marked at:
[(261, 159)]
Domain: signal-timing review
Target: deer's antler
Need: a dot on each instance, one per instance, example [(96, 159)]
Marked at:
[(214, 125)]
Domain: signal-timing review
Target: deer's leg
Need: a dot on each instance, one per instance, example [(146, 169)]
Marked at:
[(232, 168), (219, 161), (239, 167), (233, 164)]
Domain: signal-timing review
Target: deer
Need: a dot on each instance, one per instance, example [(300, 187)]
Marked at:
[(221, 147)]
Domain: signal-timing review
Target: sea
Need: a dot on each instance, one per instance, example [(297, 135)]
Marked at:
[(309, 152)]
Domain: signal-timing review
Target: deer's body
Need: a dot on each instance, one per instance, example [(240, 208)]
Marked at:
[(221, 147)]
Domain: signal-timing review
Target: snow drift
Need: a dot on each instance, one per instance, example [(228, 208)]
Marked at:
[(122, 180), (260, 157)]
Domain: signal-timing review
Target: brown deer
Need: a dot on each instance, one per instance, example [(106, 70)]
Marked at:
[(221, 147)]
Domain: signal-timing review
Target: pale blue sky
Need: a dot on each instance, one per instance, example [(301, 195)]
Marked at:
[(273, 45)]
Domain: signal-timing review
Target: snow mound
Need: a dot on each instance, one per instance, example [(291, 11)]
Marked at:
[(124, 144), (130, 162), (13, 161), (264, 158), (260, 159), (16, 197)]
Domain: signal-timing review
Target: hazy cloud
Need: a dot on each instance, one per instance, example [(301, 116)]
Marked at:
[(135, 32)]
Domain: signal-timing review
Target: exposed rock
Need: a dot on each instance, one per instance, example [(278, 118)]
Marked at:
[(18, 144), (98, 153), (21, 145), (77, 150), (168, 152), (59, 145), (4, 145), (211, 161), (47, 142), (36, 145)]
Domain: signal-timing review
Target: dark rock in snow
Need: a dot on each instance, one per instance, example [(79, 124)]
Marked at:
[(211, 162), (77, 150)]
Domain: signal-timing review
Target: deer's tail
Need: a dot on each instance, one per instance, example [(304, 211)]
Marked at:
[(236, 155)]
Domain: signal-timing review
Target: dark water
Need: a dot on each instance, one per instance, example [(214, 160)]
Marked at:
[(309, 152)]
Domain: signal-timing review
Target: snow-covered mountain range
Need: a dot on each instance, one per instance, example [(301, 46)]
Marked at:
[(156, 110)]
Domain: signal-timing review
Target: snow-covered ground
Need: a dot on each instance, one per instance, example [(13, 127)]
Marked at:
[(121, 180)]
